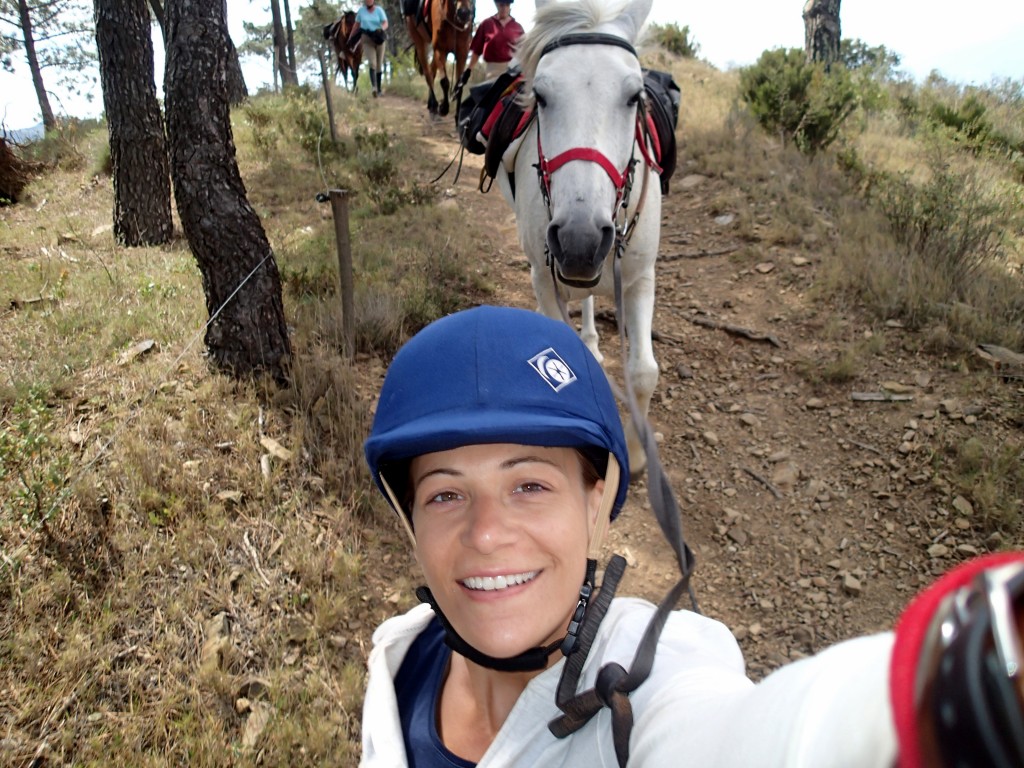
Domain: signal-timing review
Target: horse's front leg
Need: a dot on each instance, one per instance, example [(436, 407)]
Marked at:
[(544, 291), (641, 367), (441, 65), (588, 331), (446, 85), (431, 98)]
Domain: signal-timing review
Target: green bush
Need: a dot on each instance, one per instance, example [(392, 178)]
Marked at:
[(103, 164), (61, 148), (801, 101), (950, 220), (309, 117), (878, 61), (675, 39), (875, 72), (953, 241), (263, 124)]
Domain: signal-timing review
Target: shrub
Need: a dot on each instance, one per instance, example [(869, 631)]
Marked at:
[(950, 219), (875, 70), (877, 61), (103, 163), (262, 123), (675, 39), (309, 117), (60, 147), (943, 262), (801, 101)]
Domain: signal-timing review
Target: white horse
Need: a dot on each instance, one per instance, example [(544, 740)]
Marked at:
[(585, 185)]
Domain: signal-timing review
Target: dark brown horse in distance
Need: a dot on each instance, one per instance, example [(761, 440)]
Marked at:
[(446, 26), (348, 59)]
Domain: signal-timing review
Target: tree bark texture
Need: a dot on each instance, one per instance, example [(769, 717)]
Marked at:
[(822, 32), (247, 333), (237, 92), (49, 122), (138, 148)]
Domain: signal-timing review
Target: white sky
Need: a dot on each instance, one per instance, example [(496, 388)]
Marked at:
[(928, 34)]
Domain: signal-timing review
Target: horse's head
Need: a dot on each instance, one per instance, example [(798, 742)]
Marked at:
[(587, 86), (464, 12)]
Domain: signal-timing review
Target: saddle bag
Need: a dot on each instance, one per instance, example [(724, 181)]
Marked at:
[(476, 108), (663, 97), (507, 122)]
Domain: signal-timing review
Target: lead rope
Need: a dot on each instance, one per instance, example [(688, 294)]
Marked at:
[(614, 683)]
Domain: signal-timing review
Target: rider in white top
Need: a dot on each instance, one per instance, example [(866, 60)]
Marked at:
[(497, 440)]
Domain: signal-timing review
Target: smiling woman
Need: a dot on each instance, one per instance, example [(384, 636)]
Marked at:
[(501, 528), (497, 441)]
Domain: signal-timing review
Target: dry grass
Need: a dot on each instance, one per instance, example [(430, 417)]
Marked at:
[(190, 568), (171, 577)]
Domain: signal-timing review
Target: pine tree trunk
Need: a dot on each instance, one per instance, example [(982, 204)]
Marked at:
[(288, 76), (237, 92), (138, 149), (822, 32), (49, 122), (247, 333), (290, 35)]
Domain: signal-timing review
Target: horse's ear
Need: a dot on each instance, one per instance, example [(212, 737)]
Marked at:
[(633, 15)]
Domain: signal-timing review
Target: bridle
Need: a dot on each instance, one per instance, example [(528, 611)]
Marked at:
[(621, 180), (450, 17)]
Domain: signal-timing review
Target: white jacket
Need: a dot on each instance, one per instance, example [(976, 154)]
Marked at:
[(697, 708)]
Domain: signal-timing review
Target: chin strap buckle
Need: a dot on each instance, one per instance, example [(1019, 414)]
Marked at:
[(572, 635)]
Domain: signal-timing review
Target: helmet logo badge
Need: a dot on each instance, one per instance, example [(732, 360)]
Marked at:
[(553, 369)]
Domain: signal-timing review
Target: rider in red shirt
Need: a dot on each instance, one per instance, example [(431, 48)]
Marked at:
[(494, 40)]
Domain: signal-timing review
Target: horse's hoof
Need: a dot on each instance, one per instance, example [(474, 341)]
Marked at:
[(443, 111)]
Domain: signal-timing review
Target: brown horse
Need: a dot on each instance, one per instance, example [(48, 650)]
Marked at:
[(348, 59), (447, 28)]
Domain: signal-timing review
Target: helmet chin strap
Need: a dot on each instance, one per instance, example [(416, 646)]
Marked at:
[(536, 659)]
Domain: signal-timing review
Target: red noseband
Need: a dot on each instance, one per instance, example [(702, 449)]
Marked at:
[(589, 154)]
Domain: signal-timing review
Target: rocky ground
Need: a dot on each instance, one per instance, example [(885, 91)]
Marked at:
[(815, 510)]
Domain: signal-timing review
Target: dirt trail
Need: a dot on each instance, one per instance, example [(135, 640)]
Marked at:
[(814, 517)]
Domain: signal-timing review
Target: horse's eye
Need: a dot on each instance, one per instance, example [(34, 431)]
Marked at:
[(634, 99), (541, 101)]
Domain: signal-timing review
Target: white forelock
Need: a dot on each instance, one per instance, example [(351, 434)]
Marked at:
[(557, 19)]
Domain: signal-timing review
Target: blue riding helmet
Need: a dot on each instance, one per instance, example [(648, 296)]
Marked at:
[(494, 375)]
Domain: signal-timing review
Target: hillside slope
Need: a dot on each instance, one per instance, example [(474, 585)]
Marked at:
[(814, 515)]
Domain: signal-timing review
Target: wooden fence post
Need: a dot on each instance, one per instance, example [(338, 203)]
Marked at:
[(339, 207)]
